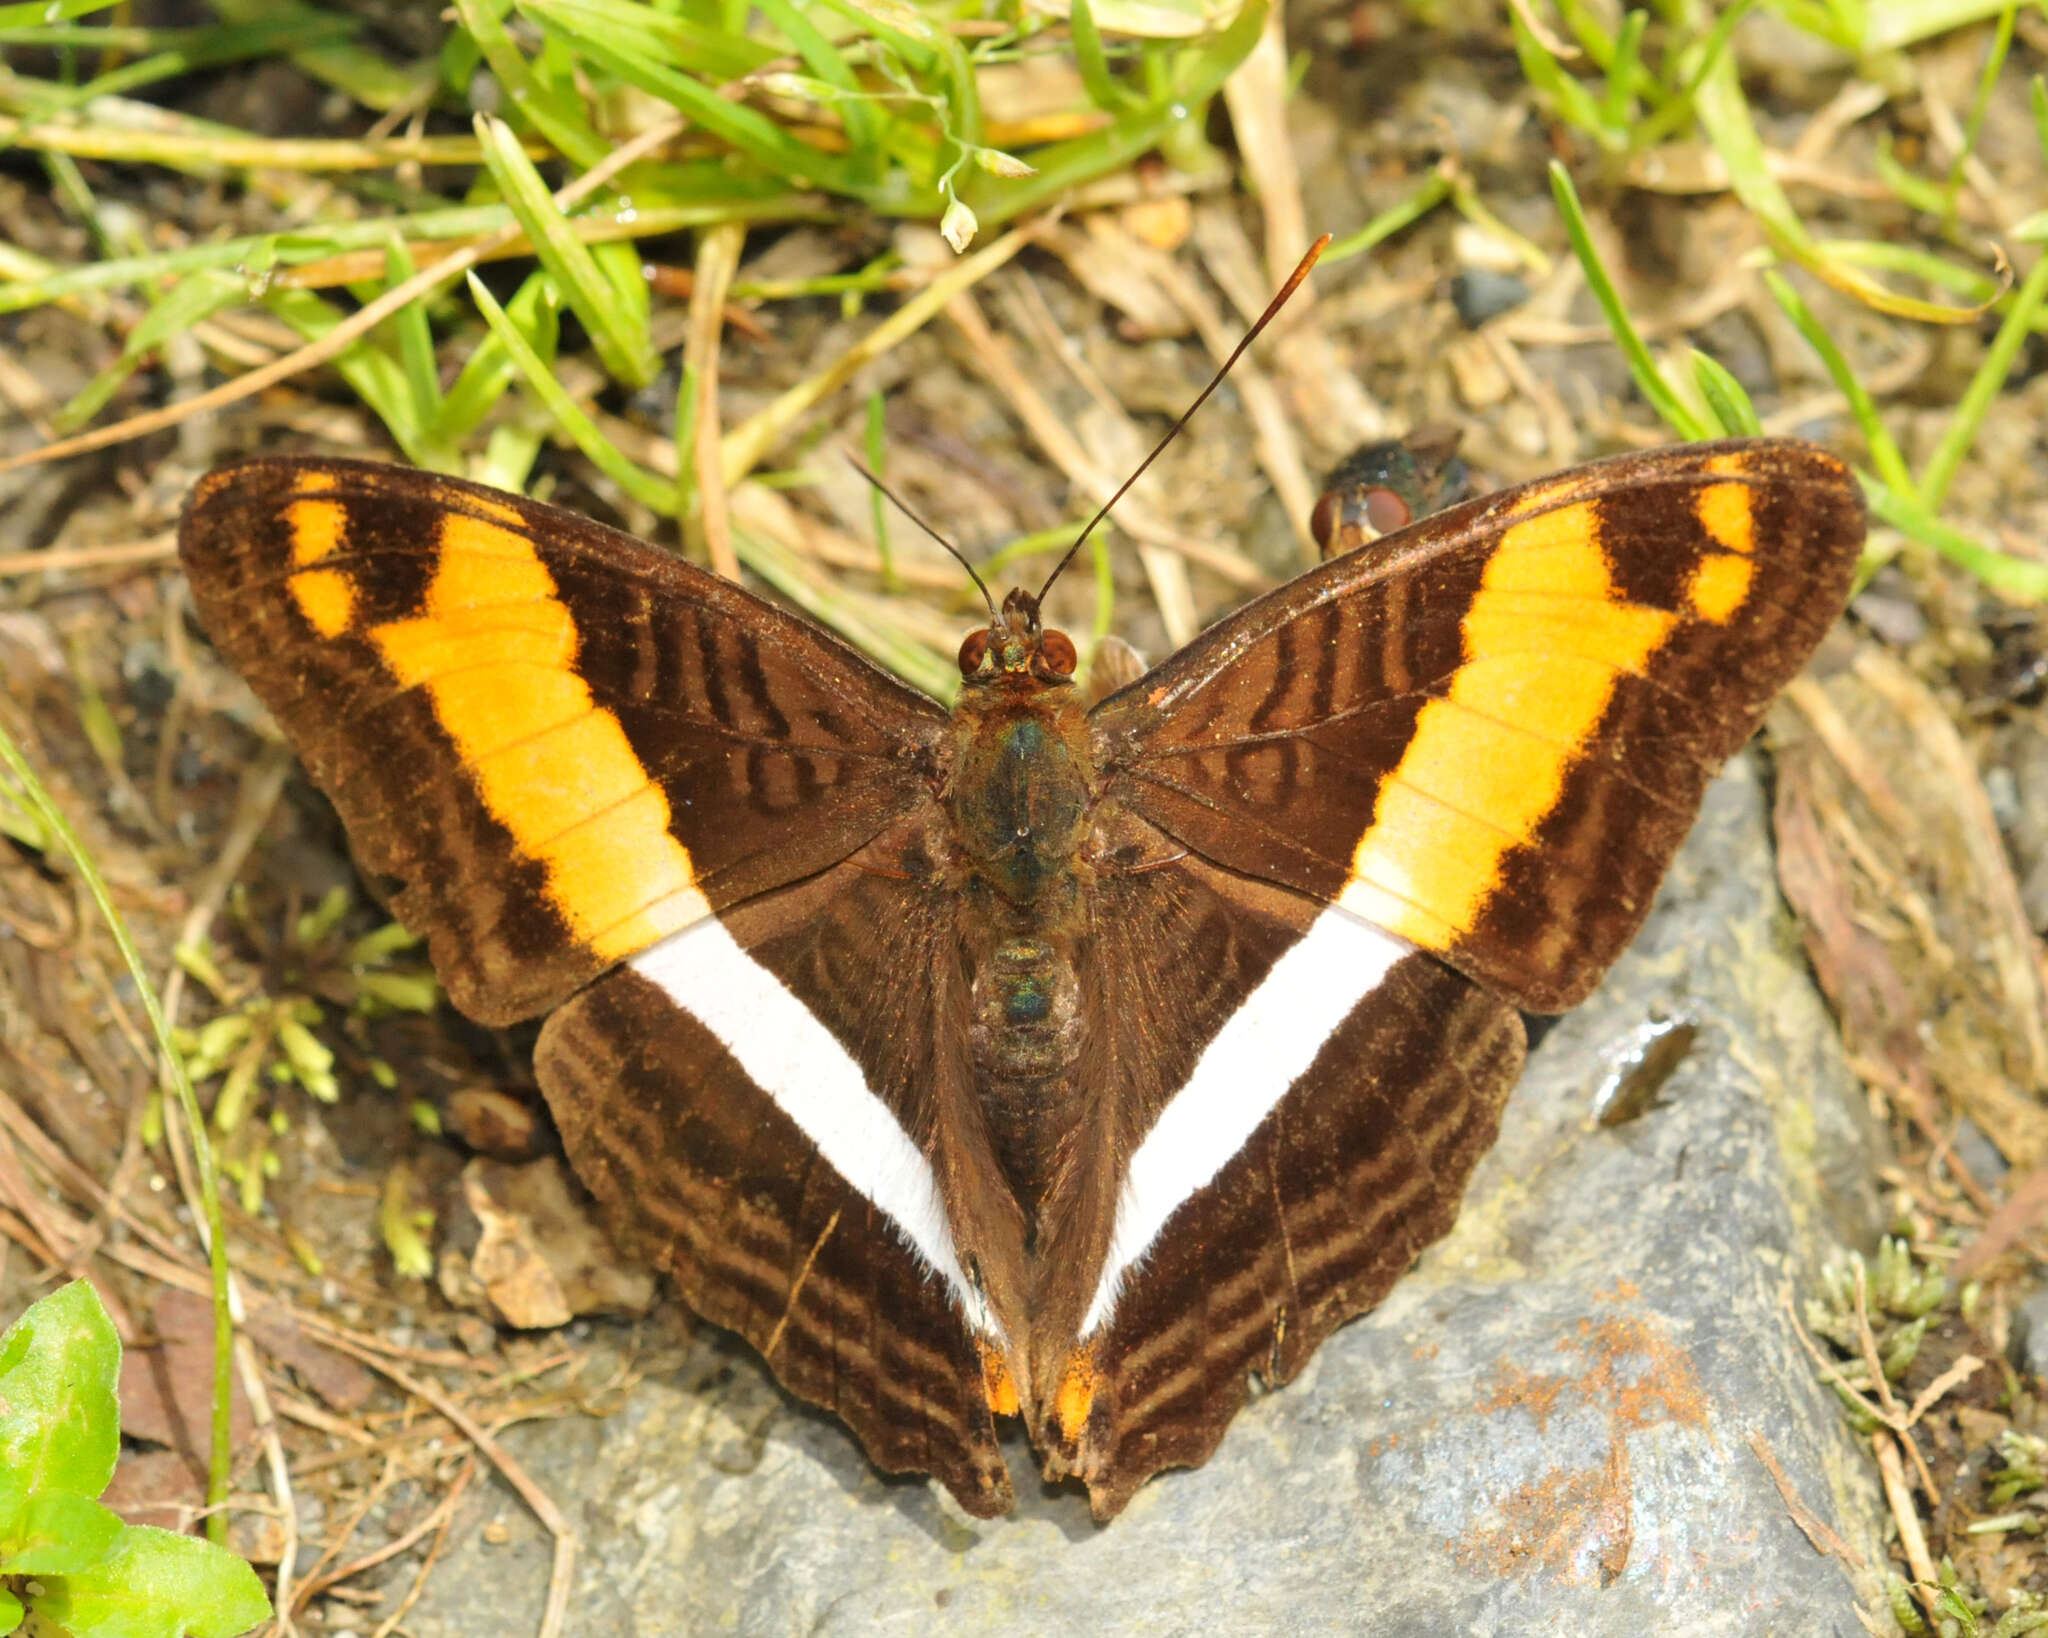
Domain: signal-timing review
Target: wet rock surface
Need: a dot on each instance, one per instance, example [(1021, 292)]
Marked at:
[(1553, 1426)]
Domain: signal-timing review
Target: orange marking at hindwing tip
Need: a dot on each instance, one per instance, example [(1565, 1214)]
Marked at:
[(1076, 1397), (997, 1385), (1545, 640), (495, 651)]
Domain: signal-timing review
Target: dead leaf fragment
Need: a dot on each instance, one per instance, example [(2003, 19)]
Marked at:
[(527, 1252)]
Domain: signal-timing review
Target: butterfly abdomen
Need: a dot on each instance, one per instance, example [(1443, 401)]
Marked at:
[(1025, 1038)]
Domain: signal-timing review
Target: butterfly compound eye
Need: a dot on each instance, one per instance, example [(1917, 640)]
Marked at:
[(1322, 522), (973, 649), (1058, 649), (1386, 511)]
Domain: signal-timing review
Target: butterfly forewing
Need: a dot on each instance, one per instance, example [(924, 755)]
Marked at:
[(1490, 732), (562, 744)]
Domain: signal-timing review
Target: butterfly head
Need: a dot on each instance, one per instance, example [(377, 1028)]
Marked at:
[(1015, 648)]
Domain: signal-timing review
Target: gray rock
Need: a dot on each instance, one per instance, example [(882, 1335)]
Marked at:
[(1547, 1429), (2030, 1335), (1479, 294)]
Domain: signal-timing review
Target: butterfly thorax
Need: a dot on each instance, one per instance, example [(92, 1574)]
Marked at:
[(1022, 768)]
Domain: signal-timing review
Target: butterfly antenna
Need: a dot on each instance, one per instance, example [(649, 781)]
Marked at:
[(1272, 308), (904, 508)]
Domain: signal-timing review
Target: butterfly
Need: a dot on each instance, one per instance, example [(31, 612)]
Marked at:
[(1070, 1060)]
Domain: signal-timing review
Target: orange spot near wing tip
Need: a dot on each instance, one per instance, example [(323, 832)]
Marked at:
[(327, 598), (997, 1384), (317, 527), (1725, 511), (1719, 586), (313, 481), (1076, 1397)]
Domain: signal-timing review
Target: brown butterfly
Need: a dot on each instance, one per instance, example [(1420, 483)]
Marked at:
[(1028, 1058)]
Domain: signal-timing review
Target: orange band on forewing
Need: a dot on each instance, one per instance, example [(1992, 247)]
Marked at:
[(1722, 579), (1544, 641), (495, 651)]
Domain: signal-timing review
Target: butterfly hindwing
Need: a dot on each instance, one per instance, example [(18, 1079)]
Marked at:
[(1329, 1092), (562, 743), (809, 1171), (1489, 732)]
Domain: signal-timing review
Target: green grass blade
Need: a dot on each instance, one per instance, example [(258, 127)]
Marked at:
[(1574, 103), (1195, 74), (185, 304), (747, 129), (557, 118), (1420, 200), (36, 12), (1617, 108), (1890, 465), (1649, 380), (824, 59), (220, 1454), (2013, 577), (649, 488), (618, 329), (413, 337), (706, 48), (1985, 386), (373, 374), (1091, 60)]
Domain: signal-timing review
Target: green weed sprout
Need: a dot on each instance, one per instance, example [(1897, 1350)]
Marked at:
[(64, 1558), (271, 1038)]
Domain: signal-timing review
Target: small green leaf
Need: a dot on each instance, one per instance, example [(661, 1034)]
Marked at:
[(1726, 398), (11, 1612), (157, 1584), (59, 1533), (60, 1428)]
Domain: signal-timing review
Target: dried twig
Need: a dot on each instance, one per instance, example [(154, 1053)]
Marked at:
[(544, 1509), (1811, 1524)]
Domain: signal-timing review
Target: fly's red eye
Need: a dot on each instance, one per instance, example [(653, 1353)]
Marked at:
[(1322, 522), (1058, 649), (973, 650), (1386, 511)]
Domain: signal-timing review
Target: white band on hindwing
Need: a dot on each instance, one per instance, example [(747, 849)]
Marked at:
[(800, 1064), (1264, 1048)]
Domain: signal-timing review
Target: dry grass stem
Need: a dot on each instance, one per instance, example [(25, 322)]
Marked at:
[(718, 258)]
